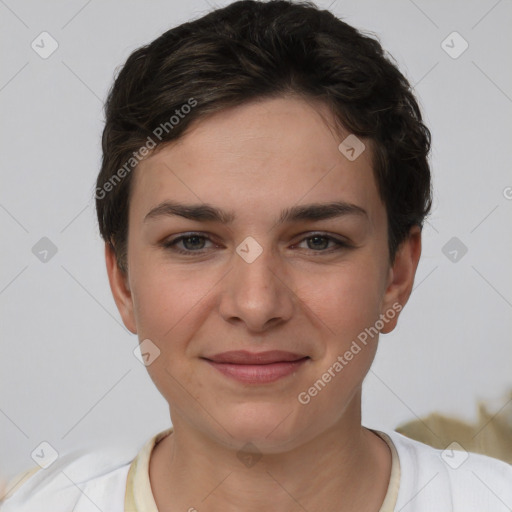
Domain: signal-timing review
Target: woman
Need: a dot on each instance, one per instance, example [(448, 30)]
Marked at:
[(262, 192)]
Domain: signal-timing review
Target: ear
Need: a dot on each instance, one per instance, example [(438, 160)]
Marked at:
[(401, 278), (120, 289)]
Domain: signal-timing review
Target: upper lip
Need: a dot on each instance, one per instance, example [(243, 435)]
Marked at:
[(245, 357)]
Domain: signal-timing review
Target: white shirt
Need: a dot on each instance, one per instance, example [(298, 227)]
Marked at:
[(423, 479)]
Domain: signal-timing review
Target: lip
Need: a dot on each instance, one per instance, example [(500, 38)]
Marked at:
[(257, 367), (246, 357)]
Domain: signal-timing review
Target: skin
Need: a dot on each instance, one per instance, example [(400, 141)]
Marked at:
[(299, 295)]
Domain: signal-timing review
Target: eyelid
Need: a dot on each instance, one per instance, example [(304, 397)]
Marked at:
[(178, 238), (309, 234)]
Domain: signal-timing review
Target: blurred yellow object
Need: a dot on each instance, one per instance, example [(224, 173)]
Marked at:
[(491, 435)]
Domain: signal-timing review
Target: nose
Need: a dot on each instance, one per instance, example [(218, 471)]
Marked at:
[(257, 293)]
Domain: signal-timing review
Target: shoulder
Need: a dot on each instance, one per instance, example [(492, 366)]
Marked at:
[(78, 481), (464, 481)]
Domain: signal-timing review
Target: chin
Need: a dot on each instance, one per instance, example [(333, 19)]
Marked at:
[(271, 428)]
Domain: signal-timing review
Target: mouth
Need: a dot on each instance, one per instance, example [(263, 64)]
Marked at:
[(257, 367)]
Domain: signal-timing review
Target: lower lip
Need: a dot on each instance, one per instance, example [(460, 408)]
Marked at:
[(259, 373)]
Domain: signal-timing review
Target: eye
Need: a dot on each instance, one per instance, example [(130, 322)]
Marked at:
[(319, 242), (192, 242), (195, 243)]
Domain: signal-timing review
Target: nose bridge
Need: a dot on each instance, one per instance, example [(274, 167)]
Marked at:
[(255, 292)]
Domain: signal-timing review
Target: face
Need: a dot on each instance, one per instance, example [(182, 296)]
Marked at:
[(268, 267)]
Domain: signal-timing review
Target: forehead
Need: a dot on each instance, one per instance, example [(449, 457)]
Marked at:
[(262, 154)]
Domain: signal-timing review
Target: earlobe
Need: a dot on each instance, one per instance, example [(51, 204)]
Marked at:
[(119, 285), (401, 277)]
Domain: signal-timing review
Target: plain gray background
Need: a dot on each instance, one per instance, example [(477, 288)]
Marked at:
[(68, 373)]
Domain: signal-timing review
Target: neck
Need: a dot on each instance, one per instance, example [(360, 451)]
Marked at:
[(346, 468)]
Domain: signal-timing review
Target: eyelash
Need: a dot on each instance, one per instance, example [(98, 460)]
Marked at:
[(171, 244)]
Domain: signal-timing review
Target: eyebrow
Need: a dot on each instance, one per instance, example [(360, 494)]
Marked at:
[(207, 212)]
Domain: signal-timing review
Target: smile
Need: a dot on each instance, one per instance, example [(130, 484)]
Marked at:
[(257, 368)]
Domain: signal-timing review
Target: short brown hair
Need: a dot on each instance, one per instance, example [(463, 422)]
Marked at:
[(253, 50)]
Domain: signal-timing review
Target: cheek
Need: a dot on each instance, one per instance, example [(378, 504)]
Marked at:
[(169, 308), (165, 302), (346, 299), (345, 304)]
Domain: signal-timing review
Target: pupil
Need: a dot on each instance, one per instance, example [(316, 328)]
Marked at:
[(319, 238), (195, 238)]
